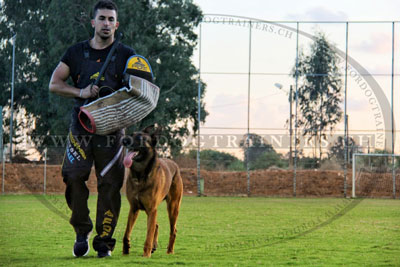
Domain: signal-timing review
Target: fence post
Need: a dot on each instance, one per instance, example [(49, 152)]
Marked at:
[(200, 189), (248, 113), (353, 178), (4, 170), (296, 108), (394, 176), (1, 147), (45, 168), (1, 133), (12, 97), (392, 113)]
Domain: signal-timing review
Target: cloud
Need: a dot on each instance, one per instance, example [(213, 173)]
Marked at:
[(377, 43), (355, 104), (227, 111), (320, 13), (231, 111), (379, 69)]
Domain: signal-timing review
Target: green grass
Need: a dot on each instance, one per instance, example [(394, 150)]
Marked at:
[(215, 232)]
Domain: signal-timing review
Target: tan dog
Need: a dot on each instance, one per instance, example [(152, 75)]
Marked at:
[(150, 180)]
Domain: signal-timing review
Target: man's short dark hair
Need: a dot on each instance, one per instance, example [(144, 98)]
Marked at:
[(104, 4)]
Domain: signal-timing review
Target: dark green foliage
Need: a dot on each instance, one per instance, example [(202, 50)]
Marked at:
[(308, 163), (269, 159), (237, 165), (260, 154), (216, 160), (257, 147), (162, 31), (319, 90), (337, 150)]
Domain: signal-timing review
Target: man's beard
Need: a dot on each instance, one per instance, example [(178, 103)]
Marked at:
[(103, 36)]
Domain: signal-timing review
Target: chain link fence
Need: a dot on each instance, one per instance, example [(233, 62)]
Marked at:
[(251, 143)]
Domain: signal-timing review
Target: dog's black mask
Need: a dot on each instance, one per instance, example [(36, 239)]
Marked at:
[(139, 144)]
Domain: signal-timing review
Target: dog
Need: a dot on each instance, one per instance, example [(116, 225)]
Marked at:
[(149, 181)]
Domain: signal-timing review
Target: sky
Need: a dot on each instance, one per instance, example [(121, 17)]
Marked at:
[(225, 50), (351, 10)]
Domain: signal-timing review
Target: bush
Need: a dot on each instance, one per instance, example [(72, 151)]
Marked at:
[(308, 163), (267, 160), (237, 165), (216, 160)]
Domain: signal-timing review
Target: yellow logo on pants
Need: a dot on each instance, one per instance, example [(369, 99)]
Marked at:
[(107, 223), (76, 145)]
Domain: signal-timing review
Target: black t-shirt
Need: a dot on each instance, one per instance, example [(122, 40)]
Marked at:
[(74, 56)]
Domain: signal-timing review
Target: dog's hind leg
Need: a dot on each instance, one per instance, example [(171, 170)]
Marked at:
[(173, 210), (155, 241), (173, 204), (133, 214)]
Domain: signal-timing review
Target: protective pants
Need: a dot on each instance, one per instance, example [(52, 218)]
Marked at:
[(82, 151)]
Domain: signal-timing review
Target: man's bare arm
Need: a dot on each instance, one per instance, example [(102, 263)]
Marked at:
[(59, 86)]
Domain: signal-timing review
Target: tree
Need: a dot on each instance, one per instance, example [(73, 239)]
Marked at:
[(162, 31), (337, 150), (269, 159), (319, 91), (260, 154), (257, 146), (216, 160)]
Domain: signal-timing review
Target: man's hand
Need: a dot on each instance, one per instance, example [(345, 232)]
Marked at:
[(89, 91), (59, 86)]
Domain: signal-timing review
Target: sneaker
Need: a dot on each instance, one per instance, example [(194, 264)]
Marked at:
[(102, 254), (81, 246)]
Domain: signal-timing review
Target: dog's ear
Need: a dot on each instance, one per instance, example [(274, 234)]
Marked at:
[(149, 129), (155, 136), (127, 141)]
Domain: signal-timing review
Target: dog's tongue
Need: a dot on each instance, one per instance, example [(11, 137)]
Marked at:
[(128, 159)]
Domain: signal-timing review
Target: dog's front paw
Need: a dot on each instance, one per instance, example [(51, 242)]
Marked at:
[(147, 252)]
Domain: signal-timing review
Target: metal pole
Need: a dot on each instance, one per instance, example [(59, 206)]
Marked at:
[(248, 114), (199, 191), (345, 157), (290, 128), (297, 103), (353, 189), (1, 147), (45, 168), (1, 133), (392, 116), (345, 115), (4, 173), (12, 96)]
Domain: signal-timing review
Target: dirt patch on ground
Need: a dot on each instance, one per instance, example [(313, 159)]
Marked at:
[(29, 178)]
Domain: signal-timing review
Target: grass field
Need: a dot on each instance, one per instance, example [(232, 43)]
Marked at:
[(215, 232)]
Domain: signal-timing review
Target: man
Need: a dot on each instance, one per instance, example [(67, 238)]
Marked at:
[(83, 62)]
